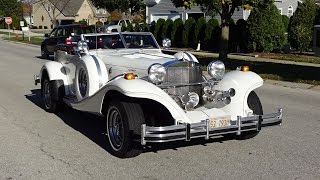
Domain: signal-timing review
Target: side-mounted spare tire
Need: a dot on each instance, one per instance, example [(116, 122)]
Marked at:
[(91, 75)]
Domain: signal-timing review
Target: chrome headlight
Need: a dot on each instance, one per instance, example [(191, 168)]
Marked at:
[(157, 73), (216, 69)]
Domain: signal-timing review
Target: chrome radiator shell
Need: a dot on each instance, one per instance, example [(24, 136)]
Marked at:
[(183, 73)]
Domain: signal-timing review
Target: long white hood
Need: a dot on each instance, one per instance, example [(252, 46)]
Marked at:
[(132, 59)]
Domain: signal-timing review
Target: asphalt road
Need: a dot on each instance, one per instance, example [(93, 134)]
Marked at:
[(38, 145)]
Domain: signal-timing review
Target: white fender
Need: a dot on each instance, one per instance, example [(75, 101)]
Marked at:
[(95, 73), (243, 83), (55, 71), (133, 88)]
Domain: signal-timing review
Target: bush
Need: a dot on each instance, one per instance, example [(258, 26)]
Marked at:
[(152, 27), (123, 27), (136, 27), (188, 31), (145, 27), (199, 31), (242, 35), (211, 38), (129, 27), (285, 21), (158, 30), (265, 29), (300, 31), (176, 34), (166, 29)]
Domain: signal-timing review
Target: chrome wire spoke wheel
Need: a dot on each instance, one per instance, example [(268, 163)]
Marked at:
[(83, 82), (47, 94), (115, 128)]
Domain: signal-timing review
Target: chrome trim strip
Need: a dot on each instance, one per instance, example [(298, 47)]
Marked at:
[(190, 131), (98, 69)]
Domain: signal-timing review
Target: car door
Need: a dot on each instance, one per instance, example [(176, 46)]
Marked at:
[(52, 40)]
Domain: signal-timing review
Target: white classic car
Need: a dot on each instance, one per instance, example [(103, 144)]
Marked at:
[(146, 96)]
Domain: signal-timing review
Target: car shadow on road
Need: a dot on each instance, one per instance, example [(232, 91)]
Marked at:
[(93, 127), (51, 58)]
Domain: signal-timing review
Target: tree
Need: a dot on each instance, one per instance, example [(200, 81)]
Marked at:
[(187, 33), (126, 6), (265, 28), (199, 31), (53, 8), (300, 31), (10, 8), (225, 9)]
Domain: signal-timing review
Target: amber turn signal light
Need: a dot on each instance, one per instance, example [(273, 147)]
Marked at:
[(245, 68), (129, 76)]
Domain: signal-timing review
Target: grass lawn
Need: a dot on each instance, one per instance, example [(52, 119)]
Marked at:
[(296, 57), (33, 40)]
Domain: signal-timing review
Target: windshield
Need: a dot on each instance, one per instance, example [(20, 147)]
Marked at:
[(139, 41), (104, 42)]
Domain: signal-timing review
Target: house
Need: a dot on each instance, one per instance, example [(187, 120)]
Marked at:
[(166, 10), (49, 13)]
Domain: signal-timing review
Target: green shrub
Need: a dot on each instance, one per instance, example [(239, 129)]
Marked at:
[(300, 31), (211, 38), (285, 21), (176, 33), (145, 27), (265, 29), (188, 31), (123, 27), (166, 29), (152, 27), (242, 35), (158, 29), (129, 27), (199, 31), (135, 27)]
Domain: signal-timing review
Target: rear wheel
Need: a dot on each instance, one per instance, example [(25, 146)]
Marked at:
[(123, 122), (255, 105)]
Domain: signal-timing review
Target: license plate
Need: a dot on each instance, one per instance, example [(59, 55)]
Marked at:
[(219, 122)]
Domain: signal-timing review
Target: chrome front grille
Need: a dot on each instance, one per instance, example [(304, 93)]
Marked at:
[(180, 78)]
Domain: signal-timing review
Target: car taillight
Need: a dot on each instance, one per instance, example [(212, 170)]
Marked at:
[(68, 40)]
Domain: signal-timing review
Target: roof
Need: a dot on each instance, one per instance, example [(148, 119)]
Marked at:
[(68, 7)]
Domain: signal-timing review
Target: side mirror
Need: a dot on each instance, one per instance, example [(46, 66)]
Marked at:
[(166, 43), (46, 35), (81, 48)]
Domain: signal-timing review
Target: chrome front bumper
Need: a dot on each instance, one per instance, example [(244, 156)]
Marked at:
[(188, 131)]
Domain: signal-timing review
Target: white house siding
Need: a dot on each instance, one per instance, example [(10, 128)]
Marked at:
[(283, 5)]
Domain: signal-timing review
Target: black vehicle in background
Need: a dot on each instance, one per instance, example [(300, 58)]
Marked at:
[(64, 37)]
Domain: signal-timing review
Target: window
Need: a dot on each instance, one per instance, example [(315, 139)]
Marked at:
[(97, 11), (280, 11), (104, 11), (290, 11), (49, 8)]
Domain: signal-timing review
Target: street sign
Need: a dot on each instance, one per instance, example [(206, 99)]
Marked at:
[(8, 20)]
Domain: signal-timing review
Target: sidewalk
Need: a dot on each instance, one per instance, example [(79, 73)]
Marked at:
[(12, 32)]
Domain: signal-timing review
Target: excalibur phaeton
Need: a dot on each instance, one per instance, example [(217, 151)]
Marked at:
[(146, 96)]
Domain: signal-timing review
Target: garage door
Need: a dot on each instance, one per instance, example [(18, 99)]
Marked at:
[(155, 17)]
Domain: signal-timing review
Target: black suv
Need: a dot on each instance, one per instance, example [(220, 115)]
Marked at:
[(64, 37)]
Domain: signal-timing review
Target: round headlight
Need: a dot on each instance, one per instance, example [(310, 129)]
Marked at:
[(216, 69), (157, 73)]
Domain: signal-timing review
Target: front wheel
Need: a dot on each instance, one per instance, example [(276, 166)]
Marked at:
[(123, 122), (255, 105), (44, 54)]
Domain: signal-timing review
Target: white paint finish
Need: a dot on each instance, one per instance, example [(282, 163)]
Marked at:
[(243, 83)]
